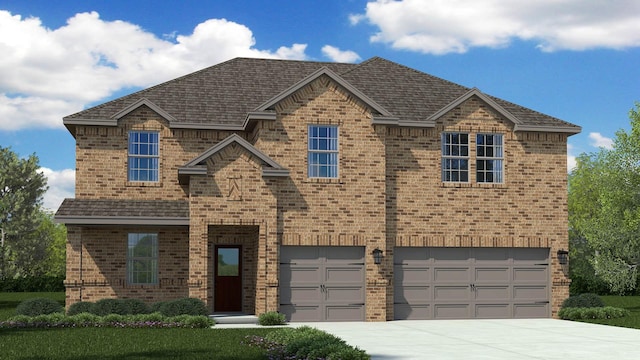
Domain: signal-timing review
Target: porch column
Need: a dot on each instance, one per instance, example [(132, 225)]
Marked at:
[(199, 284)]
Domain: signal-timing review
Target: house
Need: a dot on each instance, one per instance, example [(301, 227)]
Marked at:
[(325, 191)]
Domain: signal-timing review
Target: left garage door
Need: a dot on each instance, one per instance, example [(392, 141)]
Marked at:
[(322, 283)]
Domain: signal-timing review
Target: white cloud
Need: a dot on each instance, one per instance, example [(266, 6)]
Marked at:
[(335, 54), (440, 27), (600, 141), (46, 74), (571, 159), (61, 185)]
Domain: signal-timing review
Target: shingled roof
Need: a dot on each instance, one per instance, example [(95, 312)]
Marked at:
[(223, 96), (122, 212)]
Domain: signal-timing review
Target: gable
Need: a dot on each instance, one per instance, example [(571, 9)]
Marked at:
[(198, 166)]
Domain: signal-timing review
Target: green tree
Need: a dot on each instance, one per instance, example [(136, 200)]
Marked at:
[(21, 191), (604, 207)]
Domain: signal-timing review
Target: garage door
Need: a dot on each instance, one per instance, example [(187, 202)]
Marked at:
[(322, 283), (463, 283)]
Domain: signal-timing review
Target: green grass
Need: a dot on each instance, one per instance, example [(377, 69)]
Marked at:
[(112, 344), (631, 303), (9, 301)]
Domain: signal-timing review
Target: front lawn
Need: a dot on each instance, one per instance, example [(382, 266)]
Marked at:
[(109, 343), (631, 303)]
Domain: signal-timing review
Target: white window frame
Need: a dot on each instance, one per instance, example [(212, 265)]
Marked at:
[(454, 156), (489, 150), (149, 262), (152, 153), (323, 161)]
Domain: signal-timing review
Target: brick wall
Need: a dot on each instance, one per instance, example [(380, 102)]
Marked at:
[(96, 264)]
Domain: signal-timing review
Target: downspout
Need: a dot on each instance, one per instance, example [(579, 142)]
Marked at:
[(81, 280)]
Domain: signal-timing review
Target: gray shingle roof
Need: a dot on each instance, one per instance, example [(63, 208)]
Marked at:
[(224, 94), (139, 212)]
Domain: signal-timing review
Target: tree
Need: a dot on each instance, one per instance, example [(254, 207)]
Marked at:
[(21, 191), (604, 207)]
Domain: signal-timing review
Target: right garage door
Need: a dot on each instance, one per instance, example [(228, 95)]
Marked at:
[(465, 283)]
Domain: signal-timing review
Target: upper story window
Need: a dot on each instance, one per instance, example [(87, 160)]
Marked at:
[(142, 258), (143, 156), (489, 158), (323, 151), (455, 157)]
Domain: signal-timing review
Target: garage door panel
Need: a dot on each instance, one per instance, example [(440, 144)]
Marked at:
[(492, 311), (412, 294), (410, 256), (303, 275), (492, 274), (445, 275), (530, 255), (344, 274), (412, 312), (345, 313), (347, 254), (411, 275), (450, 255), (530, 292), (491, 255), (523, 311), (344, 294), (455, 293), (299, 295), (451, 311), (492, 293), (301, 254), (530, 274), (301, 313)]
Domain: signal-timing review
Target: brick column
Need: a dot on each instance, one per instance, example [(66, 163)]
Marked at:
[(198, 262)]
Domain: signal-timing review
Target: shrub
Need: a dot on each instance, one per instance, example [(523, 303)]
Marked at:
[(33, 284), (306, 343), (39, 306), (80, 307), (59, 320), (105, 307), (186, 306), (584, 313), (271, 318), (583, 301), (157, 306), (135, 306), (84, 319)]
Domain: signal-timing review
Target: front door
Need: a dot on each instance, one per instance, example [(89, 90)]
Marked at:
[(228, 278)]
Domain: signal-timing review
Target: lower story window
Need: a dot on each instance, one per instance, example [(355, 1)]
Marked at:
[(142, 258)]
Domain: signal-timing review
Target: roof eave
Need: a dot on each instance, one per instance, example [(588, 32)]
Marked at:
[(571, 130), (121, 220)]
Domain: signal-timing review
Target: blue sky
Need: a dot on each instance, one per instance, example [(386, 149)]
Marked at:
[(576, 60)]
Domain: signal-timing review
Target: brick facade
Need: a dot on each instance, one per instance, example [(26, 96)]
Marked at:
[(389, 193)]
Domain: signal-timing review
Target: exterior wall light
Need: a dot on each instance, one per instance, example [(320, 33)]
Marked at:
[(563, 257), (377, 256)]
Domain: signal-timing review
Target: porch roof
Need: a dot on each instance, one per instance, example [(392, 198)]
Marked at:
[(123, 212)]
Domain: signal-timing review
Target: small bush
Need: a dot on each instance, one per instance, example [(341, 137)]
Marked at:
[(187, 306), (59, 320), (84, 319), (135, 306), (583, 301), (105, 307), (306, 343), (80, 307), (271, 318), (585, 313), (157, 306), (39, 306)]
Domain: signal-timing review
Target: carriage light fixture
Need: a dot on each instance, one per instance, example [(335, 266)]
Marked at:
[(377, 256)]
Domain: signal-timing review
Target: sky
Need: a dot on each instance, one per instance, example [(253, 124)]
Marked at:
[(577, 60)]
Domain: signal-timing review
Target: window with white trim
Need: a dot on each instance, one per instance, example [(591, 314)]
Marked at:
[(144, 159), (455, 157), (142, 258), (489, 158), (323, 151)]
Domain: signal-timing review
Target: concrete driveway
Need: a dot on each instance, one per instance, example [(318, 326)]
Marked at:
[(488, 339)]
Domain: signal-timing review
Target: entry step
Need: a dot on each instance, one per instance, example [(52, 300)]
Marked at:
[(234, 318)]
